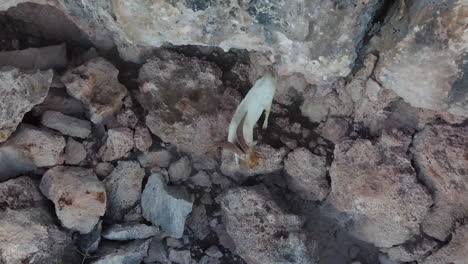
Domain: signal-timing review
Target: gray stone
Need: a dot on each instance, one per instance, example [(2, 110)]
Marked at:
[(261, 231), (95, 84), (209, 260), (19, 93), (13, 163), (270, 160), (66, 125), (376, 186), (220, 180), (74, 152), (174, 243), (58, 100), (78, 195), (335, 129), (180, 256), (103, 169), (43, 148), (413, 250), (123, 187), (130, 253), (440, 154), (118, 143), (18, 193), (180, 170), (157, 251), (89, 243), (36, 58), (160, 158), (201, 179), (198, 222), (214, 252), (307, 174), (456, 251), (127, 118), (129, 232), (142, 138), (158, 199)]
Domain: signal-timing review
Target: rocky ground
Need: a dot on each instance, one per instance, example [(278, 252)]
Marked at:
[(113, 116)]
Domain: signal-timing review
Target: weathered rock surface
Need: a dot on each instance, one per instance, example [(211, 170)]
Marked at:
[(18, 193), (118, 143), (412, 250), (180, 170), (160, 158), (42, 147), (335, 129), (441, 155), (127, 118), (130, 253), (89, 243), (270, 160), (67, 125), (180, 256), (456, 251), (78, 195), (375, 184), (95, 83), (201, 179), (423, 46), (186, 103), (158, 199), (142, 138), (157, 251), (74, 152), (198, 222), (123, 187), (36, 58), (129, 232), (19, 93), (307, 174), (13, 163), (261, 231), (58, 100)]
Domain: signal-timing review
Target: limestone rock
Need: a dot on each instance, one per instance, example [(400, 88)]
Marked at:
[(78, 195), (424, 55), (376, 186), (19, 93), (440, 153), (130, 253), (270, 160), (42, 147), (18, 193), (186, 103), (118, 143), (456, 251), (158, 198), (67, 125), (129, 232), (74, 152), (123, 187), (180, 170), (261, 231), (95, 83), (306, 174), (142, 138), (160, 158)]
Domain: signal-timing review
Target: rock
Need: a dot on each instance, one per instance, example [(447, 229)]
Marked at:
[(209, 260), (58, 100), (127, 118), (13, 162), (307, 174), (335, 129), (180, 256), (78, 195), (89, 243), (74, 152), (157, 251), (95, 84), (130, 253), (222, 181), (103, 169), (440, 154), (142, 138), (456, 251), (36, 58), (174, 243), (134, 215), (261, 231), (158, 199), (201, 179), (19, 93), (123, 187), (186, 103), (424, 60), (214, 252), (413, 250), (119, 142), (180, 170), (198, 222), (376, 186), (43, 148), (19, 193), (269, 161), (161, 158), (66, 125), (30, 236), (129, 232)]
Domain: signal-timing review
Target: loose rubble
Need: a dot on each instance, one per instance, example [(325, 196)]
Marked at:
[(129, 232), (119, 142), (67, 125)]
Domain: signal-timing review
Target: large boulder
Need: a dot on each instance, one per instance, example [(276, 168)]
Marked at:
[(78, 195), (440, 153), (19, 93), (376, 186), (261, 231), (423, 54)]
